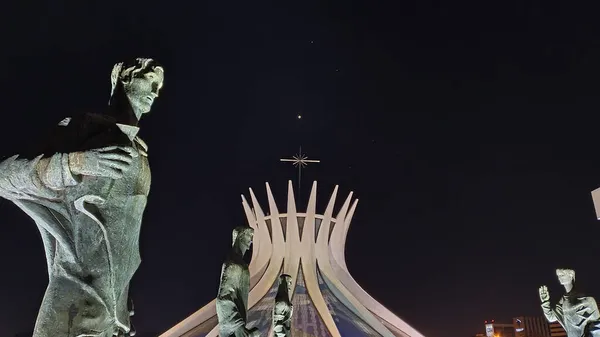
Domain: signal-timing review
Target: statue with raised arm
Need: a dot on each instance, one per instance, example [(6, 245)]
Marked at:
[(86, 192), (283, 309), (578, 314), (232, 299)]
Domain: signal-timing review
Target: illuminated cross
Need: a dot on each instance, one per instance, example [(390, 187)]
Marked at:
[(300, 160)]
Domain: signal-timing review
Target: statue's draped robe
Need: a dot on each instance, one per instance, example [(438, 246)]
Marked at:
[(89, 226), (232, 299), (576, 313), (282, 312)]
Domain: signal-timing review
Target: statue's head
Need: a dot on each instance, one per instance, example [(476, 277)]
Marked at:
[(242, 237), (287, 280), (141, 81), (565, 276)]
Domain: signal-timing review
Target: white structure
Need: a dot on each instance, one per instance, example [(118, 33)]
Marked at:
[(596, 199), (309, 247)]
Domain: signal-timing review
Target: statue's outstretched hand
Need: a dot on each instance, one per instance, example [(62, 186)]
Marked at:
[(544, 294), (110, 162)]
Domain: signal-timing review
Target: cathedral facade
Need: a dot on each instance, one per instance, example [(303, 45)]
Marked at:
[(309, 246)]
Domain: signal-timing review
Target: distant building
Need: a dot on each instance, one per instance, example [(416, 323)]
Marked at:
[(535, 326), (556, 330), (493, 329)]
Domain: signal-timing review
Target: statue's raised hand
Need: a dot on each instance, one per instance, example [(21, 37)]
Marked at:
[(544, 294), (110, 162)]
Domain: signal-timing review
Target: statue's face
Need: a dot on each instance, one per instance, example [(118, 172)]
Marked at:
[(143, 88), (246, 240), (564, 276), (287, 280)]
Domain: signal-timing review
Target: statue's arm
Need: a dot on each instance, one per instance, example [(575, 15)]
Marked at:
[(24, 179), (230, 318), (290, 315), (594, 314), (282, 317), (553, 314), (588, 311)]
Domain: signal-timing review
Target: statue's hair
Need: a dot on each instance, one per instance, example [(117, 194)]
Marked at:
[(283, 289), (569, 272), (241, 230), (125, 72), (284, 279)]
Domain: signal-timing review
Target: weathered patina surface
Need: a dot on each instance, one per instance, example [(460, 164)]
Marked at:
[(232, 298), (577, 313), (87, 192), (283, 309)]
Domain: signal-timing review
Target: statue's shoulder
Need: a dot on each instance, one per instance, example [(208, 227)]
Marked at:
[(231, 266), (91, 119), (84, 118), (75, 125), (586, 299), (85, 131)]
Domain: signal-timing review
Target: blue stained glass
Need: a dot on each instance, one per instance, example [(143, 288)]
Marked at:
[(306, 321), (347, 322), (260, 315)]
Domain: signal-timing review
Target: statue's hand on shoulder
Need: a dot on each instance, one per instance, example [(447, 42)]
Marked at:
[(110, 162), (544, 294)]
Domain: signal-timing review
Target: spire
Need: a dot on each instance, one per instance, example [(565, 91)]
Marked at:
[(299, 160)]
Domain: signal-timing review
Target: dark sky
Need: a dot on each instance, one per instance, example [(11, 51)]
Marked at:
[(469, 132)]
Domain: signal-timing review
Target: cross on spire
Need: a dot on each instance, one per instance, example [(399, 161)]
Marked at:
[(300, 160)]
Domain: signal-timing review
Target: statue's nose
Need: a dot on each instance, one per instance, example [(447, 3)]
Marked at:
[(131, 308)]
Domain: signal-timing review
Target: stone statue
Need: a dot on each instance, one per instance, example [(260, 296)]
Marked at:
[(578, 314), (283, 309), (232, 299), (87, 193)]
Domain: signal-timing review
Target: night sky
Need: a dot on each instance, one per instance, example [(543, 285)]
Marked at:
[(469, 132)]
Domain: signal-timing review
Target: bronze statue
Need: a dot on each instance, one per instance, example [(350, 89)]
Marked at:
[(87, 192), (232, 299), (576, 313), (283, 309)]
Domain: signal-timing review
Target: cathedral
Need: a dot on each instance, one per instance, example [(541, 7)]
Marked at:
[(309, 246)]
